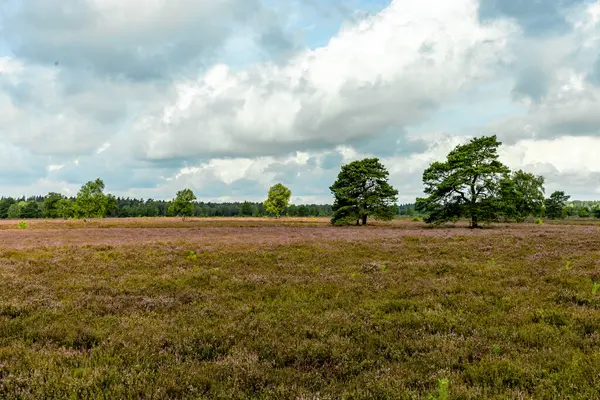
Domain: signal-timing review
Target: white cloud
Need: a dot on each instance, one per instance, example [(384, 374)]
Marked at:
[(122, 97), (388, 70)]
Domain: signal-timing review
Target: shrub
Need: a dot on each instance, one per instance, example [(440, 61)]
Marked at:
[(23, 225), (539, 221), (416, 218)]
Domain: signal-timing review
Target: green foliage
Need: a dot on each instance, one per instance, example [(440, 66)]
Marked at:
[(555, 205), (583, 213), (467, 184), (182, 205), (277, 199), (50, 205), (442, 390), (246, 209), (5, 203), (65, 208), (416, 218), (522, 195), (192, 255), (15, 210), (362, 190), (596, 288), (22, 225), (31, 210), (596, 213), (539, 221), (91, 202)]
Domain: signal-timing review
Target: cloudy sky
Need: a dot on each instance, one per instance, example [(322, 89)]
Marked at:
[(228, 97)]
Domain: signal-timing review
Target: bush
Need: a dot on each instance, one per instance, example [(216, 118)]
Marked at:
[(539, 221), (416, 218), (23, 225), (583, 213)]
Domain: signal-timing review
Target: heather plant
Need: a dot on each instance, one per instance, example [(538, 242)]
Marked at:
[(295, 308)]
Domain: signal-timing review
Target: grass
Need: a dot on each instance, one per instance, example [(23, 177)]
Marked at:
[(248, 308)]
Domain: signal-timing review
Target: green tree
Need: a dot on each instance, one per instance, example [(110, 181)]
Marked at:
[(49, 206), (303, 211), (152, 208), (182, 206), (5, 204), (15, 210), (65, 208), (278, 199), (246, 209), (362, 189), (555, 205), (31, 210), (522, 195), (91, 202), (583, 212), (465, 185), (596, 212)]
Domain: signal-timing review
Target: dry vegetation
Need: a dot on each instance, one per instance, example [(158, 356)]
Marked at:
[(160, 308)]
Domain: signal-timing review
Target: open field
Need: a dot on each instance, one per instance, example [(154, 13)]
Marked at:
[(255, 308)]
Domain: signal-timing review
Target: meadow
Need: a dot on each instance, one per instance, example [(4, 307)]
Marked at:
[(161, 308)]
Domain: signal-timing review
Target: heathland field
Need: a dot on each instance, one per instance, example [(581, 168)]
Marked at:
[(296, 308)]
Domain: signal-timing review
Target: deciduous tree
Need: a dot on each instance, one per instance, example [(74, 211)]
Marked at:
[(362, 190), (182, 206), (49, 206), (5, 204), (277, 199), (522, 195), (91, 202)]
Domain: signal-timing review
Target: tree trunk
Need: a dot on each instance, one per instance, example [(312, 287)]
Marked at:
[(357, 222), (474, 221), (364, 219)]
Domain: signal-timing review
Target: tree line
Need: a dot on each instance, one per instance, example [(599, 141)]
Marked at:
[(471, 183)]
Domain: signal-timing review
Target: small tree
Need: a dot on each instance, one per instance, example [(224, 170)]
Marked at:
[(596, 212), (466, 184), (91, 202), (31, 210), (182, 205), (5, 204), (246, 209), (277, 200), (555, 205), (583, 212), (15, 210), (522, 195), (49, 205), (362, 189), (65, 208)]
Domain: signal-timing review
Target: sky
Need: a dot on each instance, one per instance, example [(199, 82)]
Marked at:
[(228, 97)]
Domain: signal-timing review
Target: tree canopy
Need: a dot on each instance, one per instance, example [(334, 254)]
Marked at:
[(92, 202), (522, 195), (182, 206), (465, 185), (277, 199), (362, 189), (555, 205)]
